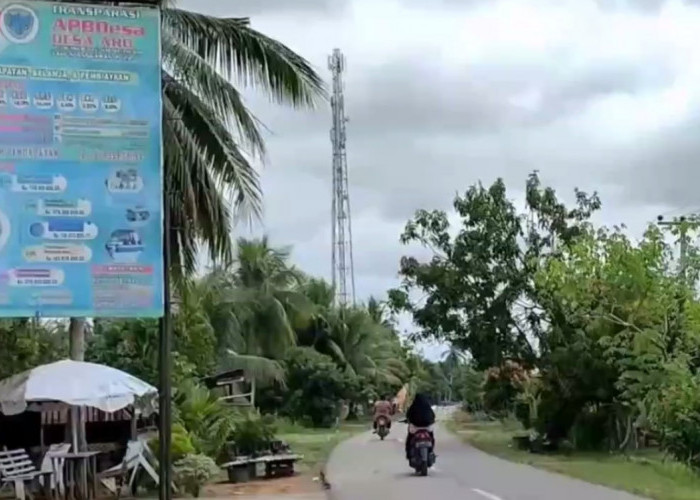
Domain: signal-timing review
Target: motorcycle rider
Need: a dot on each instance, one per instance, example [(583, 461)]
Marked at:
[(419, 414), (383, 408)]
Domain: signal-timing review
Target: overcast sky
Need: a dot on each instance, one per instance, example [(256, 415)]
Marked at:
[(599, 94)]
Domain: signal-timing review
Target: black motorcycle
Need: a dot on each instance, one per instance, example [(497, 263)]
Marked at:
[(383, 425), (421, 454)]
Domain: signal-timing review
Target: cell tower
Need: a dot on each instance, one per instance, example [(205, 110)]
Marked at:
[(343, 271)]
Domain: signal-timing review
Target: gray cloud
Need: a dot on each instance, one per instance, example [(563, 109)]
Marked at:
[(414, 139), (664, 169), (404, 120), (585, 108), (411, 95), (245, 8), (405, 96), (646, 6)]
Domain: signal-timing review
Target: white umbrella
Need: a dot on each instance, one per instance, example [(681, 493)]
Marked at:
[(74, 383)]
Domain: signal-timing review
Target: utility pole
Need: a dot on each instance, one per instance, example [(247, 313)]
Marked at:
[(343, 272), (681, 224)]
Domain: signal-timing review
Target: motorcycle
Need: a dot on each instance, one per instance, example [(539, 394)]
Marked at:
[(421, 454), (382, 427)]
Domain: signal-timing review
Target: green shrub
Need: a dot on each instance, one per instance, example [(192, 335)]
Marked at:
[(181, 444), (253, 433), (208, 421), (521, 411), (590, 430), (674, 412), (470, 389), (192, 472), (315, 386)]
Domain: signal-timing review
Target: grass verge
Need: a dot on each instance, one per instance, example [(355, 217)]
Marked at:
[(317, 444), (647, 474)]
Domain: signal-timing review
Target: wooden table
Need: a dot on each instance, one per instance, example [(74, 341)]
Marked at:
[(79, 473), (243, 468)]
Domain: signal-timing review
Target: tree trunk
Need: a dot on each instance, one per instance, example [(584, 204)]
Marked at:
[(76, 330)]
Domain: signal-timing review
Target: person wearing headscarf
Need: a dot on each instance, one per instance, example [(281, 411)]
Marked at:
[(419, 414), (383, 408)]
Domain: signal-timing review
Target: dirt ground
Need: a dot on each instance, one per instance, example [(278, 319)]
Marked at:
[(295, 485)]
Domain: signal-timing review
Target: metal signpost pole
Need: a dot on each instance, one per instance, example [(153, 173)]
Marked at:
[(165, 363), (165, 356)]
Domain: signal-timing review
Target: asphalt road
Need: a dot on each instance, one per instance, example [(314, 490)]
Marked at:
[(365, 468)]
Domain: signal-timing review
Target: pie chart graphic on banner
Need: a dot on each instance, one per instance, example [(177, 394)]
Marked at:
[(4, 230)]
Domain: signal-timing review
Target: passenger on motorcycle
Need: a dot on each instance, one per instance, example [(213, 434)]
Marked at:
[(383, 408), (419, 414)]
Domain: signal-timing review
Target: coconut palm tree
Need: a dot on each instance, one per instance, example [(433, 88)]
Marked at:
[(271, 302), (368, 349), (316, 331), (207, 164), (379, 313), (251, 307), (360, 339), (209, 136)]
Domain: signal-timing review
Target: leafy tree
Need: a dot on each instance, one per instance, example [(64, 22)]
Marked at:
[(128, 345), (469, 387), (478, 286), (315, 388), (502, 384), (674, 411), (472, 280), (25, 344), (612, 308), (132, 346)]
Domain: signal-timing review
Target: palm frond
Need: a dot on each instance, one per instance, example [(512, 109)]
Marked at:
[(207, 126), (335, 351), (191, 70), (197, 194), (260, 368), (231, 46), (226, 162)]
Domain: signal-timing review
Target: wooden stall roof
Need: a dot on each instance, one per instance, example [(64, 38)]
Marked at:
[(62, 417), (224, 377)]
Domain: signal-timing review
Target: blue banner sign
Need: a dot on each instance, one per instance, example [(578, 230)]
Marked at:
[(80, 160)]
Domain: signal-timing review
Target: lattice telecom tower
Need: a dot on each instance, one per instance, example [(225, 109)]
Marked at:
[(343, 271)]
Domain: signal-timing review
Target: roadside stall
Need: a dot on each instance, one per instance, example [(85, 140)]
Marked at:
[(69, 392)]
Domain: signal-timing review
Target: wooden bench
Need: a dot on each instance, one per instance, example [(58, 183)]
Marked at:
[(265, 467), (17, 469)]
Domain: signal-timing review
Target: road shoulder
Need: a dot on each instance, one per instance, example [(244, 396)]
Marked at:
[(645, 474)]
